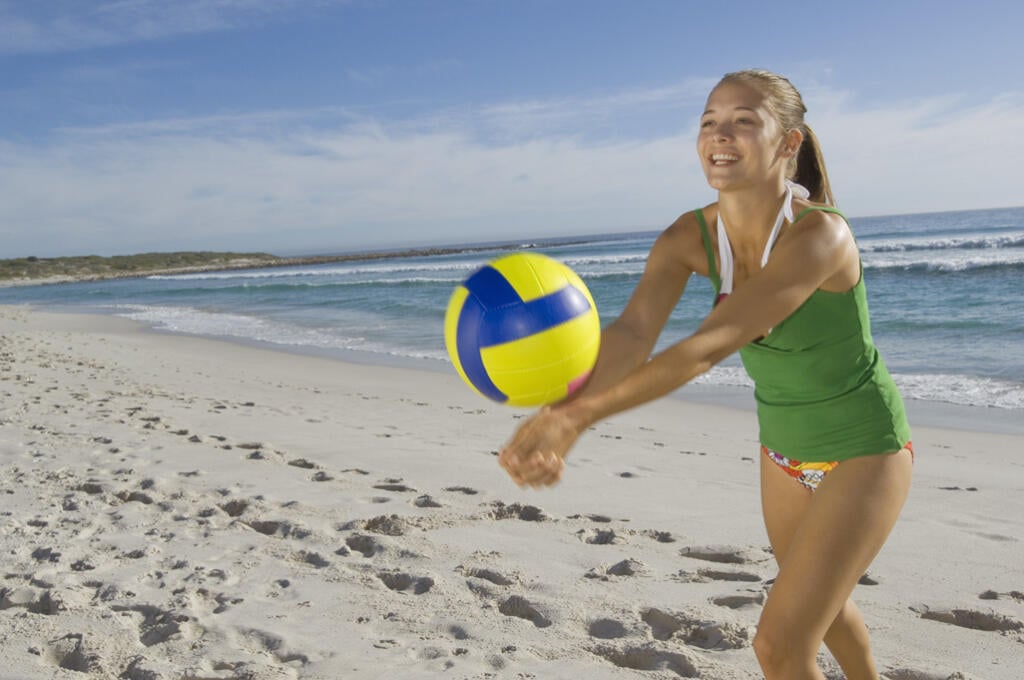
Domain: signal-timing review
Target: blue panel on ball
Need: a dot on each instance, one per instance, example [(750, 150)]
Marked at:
[(491, 288), (506, 324), (471, 318)]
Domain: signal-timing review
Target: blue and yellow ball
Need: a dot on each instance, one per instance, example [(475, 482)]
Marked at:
[(523, 330)]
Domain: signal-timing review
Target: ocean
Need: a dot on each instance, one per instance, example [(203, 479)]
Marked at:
[(946, 293)]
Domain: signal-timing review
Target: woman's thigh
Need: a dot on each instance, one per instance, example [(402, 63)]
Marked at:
[(827, 540)]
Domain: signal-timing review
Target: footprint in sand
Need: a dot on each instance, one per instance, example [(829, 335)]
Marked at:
[(526, 513), (303, 463), (394, 485), (403, 582), (695, 631), (385, 525), (486, 574), (278, 528), (71, 653), (156, 624), (235, 507), (600, 519), (726, 554), (310, 558), (520, 607), (600, 536), (739, 601), (648, 658), (660, 536), (993, 595), (458, 632), (970, 618), (607, 629), (462, 489), (707, 574), (367, 546), (426, 501), (479, 582), (276, 648), (913, 674), (627, 567)]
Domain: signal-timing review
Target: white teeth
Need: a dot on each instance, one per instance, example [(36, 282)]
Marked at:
[(723, 158)]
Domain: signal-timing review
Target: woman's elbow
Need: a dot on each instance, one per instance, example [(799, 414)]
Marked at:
[(709, 347)]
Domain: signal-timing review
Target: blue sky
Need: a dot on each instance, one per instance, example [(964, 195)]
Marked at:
[(308, 126)]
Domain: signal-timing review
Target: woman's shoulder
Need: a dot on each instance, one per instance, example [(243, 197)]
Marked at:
[(688, 225), (820, 221), (809, 212), (684, 238), (823, 231)]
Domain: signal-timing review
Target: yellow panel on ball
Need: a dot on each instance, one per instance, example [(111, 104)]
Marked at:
[(451, 319), (545, 367)]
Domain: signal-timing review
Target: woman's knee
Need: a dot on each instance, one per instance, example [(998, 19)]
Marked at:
[(782, 655)]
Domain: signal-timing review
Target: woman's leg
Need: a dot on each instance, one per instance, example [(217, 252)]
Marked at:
[(823, 542), (784, 502)]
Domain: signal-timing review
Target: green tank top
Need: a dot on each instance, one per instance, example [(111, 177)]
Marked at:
[(822, 390)]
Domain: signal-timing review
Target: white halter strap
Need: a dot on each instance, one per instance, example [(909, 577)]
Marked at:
[(725, 248)]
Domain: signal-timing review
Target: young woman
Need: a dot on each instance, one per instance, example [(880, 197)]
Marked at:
[(836, 454)]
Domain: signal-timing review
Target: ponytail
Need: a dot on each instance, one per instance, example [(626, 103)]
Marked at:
[(810, 169)]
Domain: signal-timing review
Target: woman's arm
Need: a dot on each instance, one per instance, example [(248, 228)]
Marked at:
[(628, 341), (819, 246)]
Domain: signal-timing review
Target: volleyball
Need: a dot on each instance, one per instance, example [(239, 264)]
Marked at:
[(523, 330)]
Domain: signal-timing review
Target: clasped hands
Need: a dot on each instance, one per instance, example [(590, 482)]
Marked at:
[(534, 457)]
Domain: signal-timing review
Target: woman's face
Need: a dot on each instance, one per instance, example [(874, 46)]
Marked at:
[(740, 143)]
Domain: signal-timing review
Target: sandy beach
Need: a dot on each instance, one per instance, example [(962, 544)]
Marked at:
[(179, 507)]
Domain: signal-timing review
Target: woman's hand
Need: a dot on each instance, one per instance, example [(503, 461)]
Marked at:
[(534, 456)]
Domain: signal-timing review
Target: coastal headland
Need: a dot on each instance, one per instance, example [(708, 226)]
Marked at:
[(44, 270)]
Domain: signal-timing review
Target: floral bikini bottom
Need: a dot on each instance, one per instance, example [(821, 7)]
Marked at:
[(808, 474)]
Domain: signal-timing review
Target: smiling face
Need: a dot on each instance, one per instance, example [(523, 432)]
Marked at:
[(741, 143)]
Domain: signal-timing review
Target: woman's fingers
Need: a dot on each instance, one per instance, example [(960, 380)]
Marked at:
[(536, 468), (534, 455)]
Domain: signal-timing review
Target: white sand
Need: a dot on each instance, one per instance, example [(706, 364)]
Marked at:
[(173, 507)]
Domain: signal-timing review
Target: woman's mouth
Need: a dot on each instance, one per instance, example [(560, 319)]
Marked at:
[(723, 158)]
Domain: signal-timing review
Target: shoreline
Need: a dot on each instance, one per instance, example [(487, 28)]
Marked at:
[(932, 414), (181, 506)]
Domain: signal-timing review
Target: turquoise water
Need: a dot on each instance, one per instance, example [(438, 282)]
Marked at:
[(945, 292)]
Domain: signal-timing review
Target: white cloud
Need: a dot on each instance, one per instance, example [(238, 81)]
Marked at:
[(581, 114), (325, 179), (932, 154)]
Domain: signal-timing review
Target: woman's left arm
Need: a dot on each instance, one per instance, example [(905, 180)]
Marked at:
[(817, 250)]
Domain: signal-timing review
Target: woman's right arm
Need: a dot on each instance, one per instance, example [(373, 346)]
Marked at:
[(629, 340)]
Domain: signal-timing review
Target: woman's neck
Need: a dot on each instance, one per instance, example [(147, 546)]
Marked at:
[(750, 214)]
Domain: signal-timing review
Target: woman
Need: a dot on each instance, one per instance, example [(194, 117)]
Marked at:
[(836, 463)]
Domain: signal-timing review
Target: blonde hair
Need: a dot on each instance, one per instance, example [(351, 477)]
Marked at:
[(786, 104)]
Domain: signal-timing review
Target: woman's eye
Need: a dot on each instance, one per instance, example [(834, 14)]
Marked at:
[(707, 123)]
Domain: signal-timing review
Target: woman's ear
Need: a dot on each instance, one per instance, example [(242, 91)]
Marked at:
[(791, 143)]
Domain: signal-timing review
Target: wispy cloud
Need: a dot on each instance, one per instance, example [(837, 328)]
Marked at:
[(331, 179), (612, 113), (921, 155), (65, 25)]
